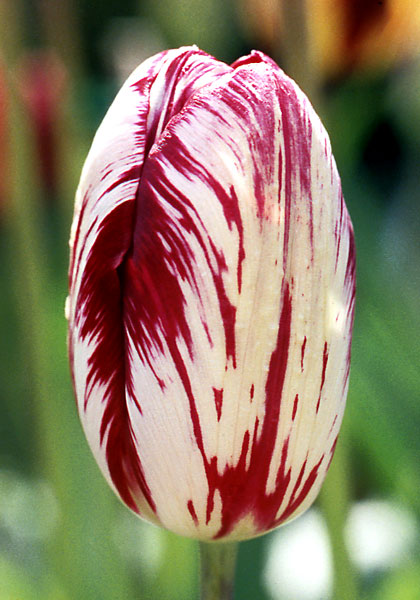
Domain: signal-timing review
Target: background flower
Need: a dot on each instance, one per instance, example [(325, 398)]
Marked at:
[(344, 35)]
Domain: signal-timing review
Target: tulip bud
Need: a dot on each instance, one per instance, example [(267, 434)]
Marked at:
[(211, 296)]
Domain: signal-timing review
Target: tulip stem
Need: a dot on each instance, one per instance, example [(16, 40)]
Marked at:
[(335, 499), (218, 561)]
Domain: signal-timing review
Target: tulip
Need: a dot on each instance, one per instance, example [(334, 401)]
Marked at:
[(211, 296)]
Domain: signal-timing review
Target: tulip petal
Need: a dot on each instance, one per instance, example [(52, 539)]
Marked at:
[(225, 296), (212, 295), (101, 237)]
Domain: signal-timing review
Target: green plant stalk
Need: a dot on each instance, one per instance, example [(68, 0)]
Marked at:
[(217, 566), (335, 503)]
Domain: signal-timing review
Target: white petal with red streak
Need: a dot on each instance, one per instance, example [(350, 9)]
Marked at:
[(219, 131)]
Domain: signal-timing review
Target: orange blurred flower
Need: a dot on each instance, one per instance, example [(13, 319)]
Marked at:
[(344, 35)]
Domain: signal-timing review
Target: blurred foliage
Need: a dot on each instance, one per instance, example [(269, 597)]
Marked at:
[(63, 535)]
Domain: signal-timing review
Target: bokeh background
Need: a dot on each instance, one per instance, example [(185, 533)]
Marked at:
[(63, 534)]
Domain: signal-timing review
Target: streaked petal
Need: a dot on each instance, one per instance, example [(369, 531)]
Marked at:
[(223, 289), (101, 237), (212, 292)]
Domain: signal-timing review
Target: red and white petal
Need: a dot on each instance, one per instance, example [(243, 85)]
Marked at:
[(212, 288), (238, 299), (100, 239)]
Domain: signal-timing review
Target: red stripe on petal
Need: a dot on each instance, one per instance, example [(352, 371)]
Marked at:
[(98, 310), (295, 406), (332, 427), (324, 369), (324, 364), (251, 392), (243, 489), (350, 284), (338, 230), (99, 315), (302, 353), (332, 452), (192, 512), (296, 501), (218, 401), (233, 217), (351, 261), (235, 488)]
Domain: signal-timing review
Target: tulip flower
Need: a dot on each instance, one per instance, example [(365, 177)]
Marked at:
[(211, 296)]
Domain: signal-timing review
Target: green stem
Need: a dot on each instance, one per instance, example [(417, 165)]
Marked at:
[(335, 504), (218, 561)]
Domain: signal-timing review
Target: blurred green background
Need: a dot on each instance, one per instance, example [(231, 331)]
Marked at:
[(63, 534)]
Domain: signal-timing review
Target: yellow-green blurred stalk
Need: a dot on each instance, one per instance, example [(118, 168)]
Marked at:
[(335, 501), (218, 562)]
